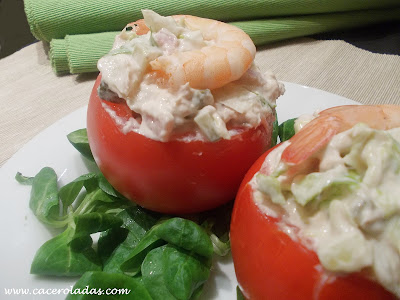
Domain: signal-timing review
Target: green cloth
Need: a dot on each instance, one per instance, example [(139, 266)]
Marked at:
[(50, 19), (81, 31), (79, 53), (276, 29)]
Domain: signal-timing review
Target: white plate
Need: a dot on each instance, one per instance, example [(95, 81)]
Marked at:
[(22, 234)]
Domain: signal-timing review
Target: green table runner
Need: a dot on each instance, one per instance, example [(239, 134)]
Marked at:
[(80, 32)]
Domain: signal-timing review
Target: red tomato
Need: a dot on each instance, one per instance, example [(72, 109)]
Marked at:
[(170, 177), (270, 265)]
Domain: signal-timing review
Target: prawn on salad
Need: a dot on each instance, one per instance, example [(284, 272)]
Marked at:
[(224, 54), (317, 133)]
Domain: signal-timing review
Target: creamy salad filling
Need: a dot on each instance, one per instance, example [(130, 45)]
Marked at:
[(164, 111), (346, 208)]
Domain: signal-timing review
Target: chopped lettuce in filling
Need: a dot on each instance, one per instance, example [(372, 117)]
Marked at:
[(164, 111), (347, 208)]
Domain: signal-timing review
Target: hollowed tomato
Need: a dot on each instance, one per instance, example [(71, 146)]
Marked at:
[(177, 176), (269, 265)]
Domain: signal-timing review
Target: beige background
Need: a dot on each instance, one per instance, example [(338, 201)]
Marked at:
[(32, 97)]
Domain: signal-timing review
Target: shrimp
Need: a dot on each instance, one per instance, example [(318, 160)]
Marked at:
[(227, 54), (316, 134), (138, 26)]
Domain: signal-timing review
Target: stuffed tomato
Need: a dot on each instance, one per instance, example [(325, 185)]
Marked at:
[(174, 122), (317, 217)]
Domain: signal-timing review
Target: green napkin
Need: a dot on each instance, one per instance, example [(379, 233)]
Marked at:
[(80, 53), (276, 29), (80, 32), (50, 19)]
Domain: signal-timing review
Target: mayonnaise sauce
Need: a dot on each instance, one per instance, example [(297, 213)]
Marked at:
[(348, 211), (166, 110)]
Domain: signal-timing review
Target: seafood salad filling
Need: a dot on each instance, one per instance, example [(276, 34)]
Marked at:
[(342, 202), (187, 74)]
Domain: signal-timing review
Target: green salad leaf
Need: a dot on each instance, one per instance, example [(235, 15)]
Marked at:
[(79, 140), (286, 130), (185, 234), (44, 197), (129, 288), (57, 258), (136, 223), (112, 243), (24, 179), (275, 131), (184, 271), (239, 294), (70, 191)]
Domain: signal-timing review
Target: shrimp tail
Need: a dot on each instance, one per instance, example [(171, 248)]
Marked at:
[(316, 134), (310, 139)]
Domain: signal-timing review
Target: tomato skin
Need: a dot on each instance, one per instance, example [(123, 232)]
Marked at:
[(174, 177), (270, 265)]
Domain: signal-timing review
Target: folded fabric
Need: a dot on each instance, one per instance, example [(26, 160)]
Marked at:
[(79, 53), (49, 19)]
